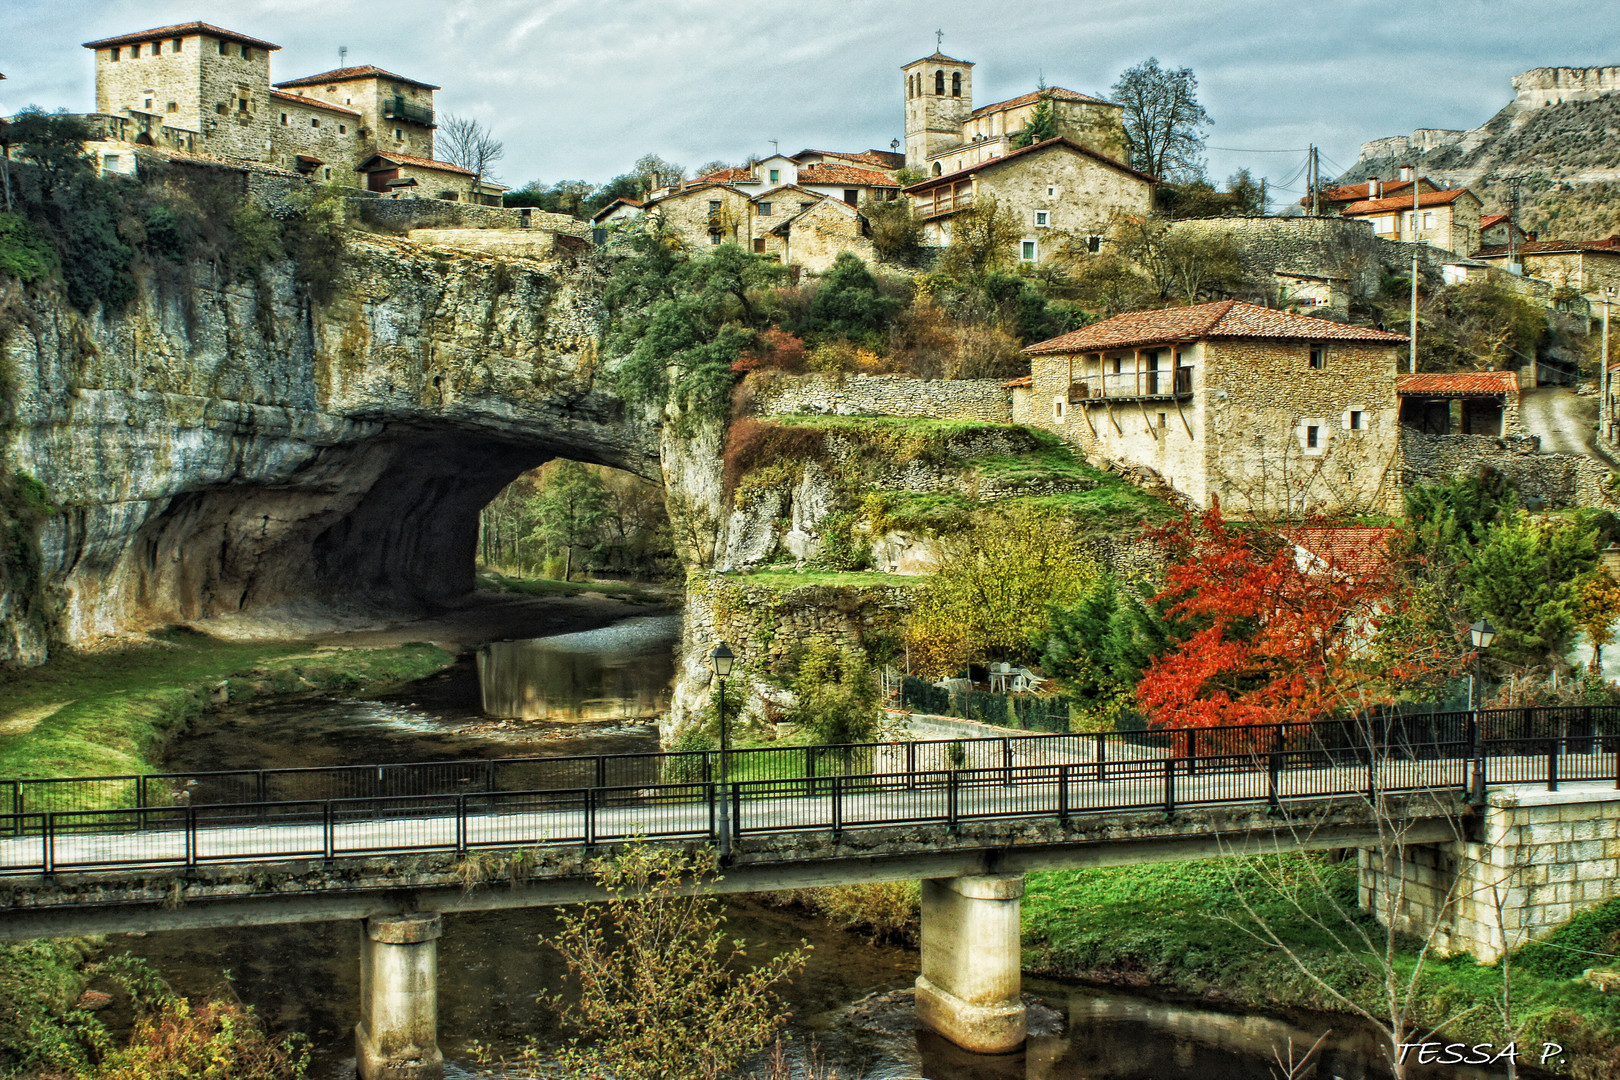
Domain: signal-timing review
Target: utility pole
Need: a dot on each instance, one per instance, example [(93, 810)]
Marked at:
[(1315, 183), (1513, 216), (1411, 365), (1607, 420)]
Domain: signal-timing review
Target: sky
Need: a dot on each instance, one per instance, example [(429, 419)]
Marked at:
[(578, 89)]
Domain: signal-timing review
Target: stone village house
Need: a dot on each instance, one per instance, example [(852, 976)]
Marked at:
[(1268, 411), (201, 91)]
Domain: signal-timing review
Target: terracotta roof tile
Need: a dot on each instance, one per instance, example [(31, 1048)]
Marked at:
[(1344, 193), (843, 174), (1458, 384), (1492, 219), (1057, 93), (1352, 549), (1222, 319), (723, 176), (1014, 384), (180, 30), (416, 162), (937, 55), (313, 103), (351, 74), (881, 159), (961, 174), (1397, 202)]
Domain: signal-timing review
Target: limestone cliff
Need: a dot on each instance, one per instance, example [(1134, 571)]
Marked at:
[(229, 449)]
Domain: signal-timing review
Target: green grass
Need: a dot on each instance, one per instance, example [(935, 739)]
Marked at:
[(798, 579), (110, 712), (491, 581), (1177, 926)]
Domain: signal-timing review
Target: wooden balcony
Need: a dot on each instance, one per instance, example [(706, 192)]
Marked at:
[(942, 200), (1133, 386)]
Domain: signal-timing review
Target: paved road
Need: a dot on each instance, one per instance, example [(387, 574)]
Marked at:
[(1566, 422), (106, 840)]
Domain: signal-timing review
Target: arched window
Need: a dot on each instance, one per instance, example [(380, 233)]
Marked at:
[(956, 84), (939, 84), (937, 170)]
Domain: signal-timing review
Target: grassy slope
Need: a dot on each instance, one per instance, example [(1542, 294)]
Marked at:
[(1179, 926), (493, 581), (110, 712)]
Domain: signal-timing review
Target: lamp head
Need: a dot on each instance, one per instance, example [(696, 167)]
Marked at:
[(1483, 634), (722, 658)]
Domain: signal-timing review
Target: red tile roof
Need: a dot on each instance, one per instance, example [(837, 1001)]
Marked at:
[(1056, 93), (313, 103), (843, 174), (723, 176), (351, 74), (1014, 384), (1398, 203), (415, 162), (1222, 319), (1352, 549), (963, 174), (1491, 219), (1459, 384), (1609, 244), (882, 159), (180, 30), (1355, 192)]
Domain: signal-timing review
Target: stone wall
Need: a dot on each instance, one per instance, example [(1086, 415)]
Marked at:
[(767, 626), (400, 215), (1545, 481), (885, 395), (1544, 855)]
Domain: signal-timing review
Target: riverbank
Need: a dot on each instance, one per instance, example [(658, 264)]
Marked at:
[(1180, 928)]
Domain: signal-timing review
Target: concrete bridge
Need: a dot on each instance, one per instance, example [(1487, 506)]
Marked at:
[(1423, 798)]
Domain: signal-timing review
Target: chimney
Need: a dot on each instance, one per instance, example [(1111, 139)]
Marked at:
[(1375, 188), (1406, 172)]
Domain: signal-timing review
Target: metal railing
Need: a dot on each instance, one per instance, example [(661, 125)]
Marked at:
[(328, 813)]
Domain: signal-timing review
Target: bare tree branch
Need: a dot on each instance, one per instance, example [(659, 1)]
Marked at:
[(464, 141)]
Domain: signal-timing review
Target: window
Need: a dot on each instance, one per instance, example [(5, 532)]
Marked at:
[(805, 206), (956, 84), (764, 209), (1161, 421), (314, 121), (1093, 244), (759, 245), (1051, 189), (1117, 365), (109, 162), (1057, 410), (329, 174), (714, 238), (776, 176), (174, 45), (1027, 251), (1042, 218), (148, 105), (939, 84), (174, 106), (852, 195), (1356, 421), (714, 206), (247, 53), (398, 134), (1428, 219), (222, 108), (224, 48), (242, 104), (284, 120), (937, 169), (1318, 356), (1311, 436), (115, 50), (343, 129)]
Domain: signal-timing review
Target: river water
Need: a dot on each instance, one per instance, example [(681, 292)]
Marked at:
[(593, 693)]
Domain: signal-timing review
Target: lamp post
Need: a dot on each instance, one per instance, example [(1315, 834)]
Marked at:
[(722, 658), (1482, 633)]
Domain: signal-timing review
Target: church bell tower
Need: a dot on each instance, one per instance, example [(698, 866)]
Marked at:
[(939, 99)]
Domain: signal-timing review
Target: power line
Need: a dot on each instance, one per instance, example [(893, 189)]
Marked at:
[(1242, 150)]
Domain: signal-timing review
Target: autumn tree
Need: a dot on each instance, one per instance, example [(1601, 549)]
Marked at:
[(992, 596), (1597, 607), (1263, 638), (1163, 120), (984, 237)]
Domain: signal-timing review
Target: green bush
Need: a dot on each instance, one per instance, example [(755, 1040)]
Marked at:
[(25, 253), (836, 695)]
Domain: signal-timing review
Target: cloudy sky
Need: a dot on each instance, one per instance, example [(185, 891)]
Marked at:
[(580, 88)]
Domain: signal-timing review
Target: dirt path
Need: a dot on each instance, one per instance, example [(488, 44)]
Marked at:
[(1566, 422)]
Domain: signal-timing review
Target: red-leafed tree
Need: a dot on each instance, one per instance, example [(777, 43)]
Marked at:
[(1269, 633)]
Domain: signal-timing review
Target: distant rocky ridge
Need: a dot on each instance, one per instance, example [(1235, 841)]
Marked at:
[(1556, 133)]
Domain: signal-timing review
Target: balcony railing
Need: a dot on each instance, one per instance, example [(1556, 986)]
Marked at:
[(1131, 386), (399, 109), (943, 202)]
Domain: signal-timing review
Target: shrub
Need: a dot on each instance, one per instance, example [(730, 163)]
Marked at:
[(751, 444), (25, 253), (849, 303), (836, 695)]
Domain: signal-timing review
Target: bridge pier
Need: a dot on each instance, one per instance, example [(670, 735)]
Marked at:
[(398, 1034), (970, 989)]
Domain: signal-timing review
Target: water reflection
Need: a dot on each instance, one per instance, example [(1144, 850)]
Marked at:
[(621, 671)]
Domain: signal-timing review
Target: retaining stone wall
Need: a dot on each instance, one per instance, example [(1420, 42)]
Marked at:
[(403, 214), (1546, 855), (886, 395), (1545, 481)]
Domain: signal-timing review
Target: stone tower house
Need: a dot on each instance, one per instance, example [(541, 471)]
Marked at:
[(939, 100), (396, 113), (193, 76)]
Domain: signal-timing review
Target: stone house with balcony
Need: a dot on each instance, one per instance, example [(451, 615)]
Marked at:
[(196, 89), (1059, 192), (1270, 412)]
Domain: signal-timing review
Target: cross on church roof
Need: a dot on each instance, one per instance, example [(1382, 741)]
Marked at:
[(939, 38)]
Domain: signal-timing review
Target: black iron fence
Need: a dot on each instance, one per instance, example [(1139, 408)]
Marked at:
[(270, 814)]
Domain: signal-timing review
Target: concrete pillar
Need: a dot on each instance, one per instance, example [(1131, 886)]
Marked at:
[(970, 990), (398, 1034)]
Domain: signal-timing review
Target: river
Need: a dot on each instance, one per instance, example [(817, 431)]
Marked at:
[(592, 693)]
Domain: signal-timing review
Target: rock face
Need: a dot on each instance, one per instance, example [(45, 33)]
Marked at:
[(229, 450)]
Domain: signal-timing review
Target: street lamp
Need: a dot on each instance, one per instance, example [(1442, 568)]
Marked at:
[(722, 659), (1483, 633)]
